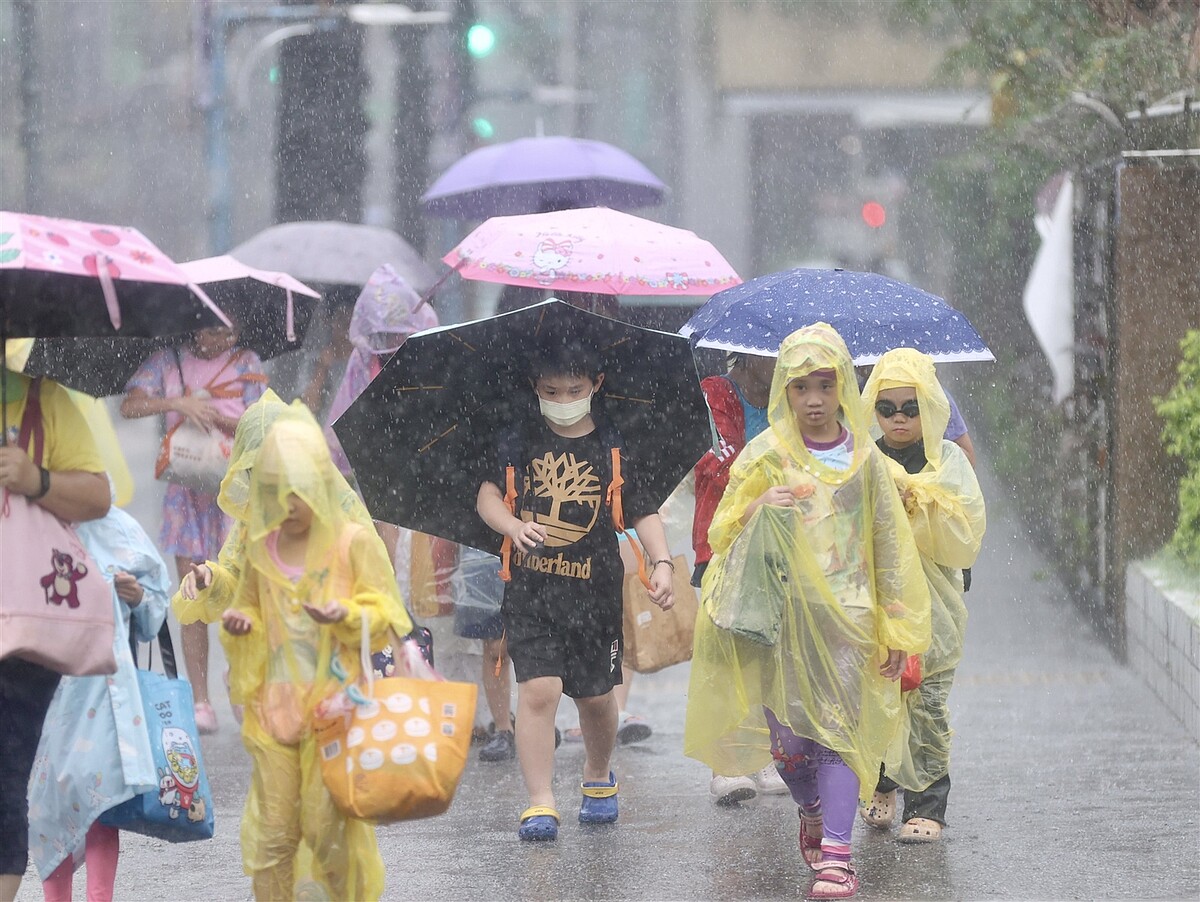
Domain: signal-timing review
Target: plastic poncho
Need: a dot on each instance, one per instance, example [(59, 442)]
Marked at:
[(234, 500), (946, 511), (387, 311), (281, 669), (809, 596), (87, 765)]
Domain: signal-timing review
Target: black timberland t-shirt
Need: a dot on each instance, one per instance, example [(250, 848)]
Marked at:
[(561, 484)]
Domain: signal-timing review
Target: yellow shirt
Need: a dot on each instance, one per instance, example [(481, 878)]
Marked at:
[(68, 441)]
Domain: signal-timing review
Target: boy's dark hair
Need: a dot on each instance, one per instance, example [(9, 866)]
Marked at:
[(565, 357)]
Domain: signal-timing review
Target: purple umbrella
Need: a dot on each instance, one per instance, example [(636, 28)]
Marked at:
[(536, 175)]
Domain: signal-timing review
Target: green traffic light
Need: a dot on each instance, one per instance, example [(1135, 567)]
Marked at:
[(481, 40), (483, 128)]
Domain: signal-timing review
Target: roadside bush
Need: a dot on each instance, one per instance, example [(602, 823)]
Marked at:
[(1180, 411)]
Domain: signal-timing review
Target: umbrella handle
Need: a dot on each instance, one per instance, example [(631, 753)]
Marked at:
[(428, 296)]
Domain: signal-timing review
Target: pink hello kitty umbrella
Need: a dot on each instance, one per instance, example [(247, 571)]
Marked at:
[(592, 250)]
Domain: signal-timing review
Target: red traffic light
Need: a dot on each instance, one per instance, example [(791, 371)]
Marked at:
[(873, 214)]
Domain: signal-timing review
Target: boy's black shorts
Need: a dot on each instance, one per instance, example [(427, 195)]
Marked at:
[(587, 657)]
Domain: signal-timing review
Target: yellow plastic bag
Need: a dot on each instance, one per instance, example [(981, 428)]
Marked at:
[(399, 752)]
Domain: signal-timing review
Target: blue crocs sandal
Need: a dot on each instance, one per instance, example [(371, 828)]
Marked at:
[(539, 823), (599, 802)]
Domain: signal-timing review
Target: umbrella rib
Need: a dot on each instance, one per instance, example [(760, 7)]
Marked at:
[(465, 344), (437, 439), (400, 388), (628, 398)]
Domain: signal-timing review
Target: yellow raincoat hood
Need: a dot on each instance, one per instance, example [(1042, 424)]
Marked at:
[(801, 602), (817, 347)]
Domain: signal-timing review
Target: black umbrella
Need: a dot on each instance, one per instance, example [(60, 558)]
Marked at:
[(272, 311), (420, 436)]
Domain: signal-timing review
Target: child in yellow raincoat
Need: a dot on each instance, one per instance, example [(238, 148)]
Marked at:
[(311, 573), (945, 508), (812, 600)]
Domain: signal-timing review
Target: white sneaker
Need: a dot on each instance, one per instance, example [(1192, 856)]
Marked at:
[(769, 782), (731, 790)]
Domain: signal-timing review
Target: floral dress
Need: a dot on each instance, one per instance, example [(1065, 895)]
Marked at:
[(192, 524)]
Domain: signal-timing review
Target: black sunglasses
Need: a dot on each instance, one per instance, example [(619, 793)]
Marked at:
[(887, 409)]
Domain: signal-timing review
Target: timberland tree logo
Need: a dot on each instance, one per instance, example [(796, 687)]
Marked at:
[(574, 493), (566, 497)]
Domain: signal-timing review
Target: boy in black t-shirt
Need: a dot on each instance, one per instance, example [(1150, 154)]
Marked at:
[(562, 607)]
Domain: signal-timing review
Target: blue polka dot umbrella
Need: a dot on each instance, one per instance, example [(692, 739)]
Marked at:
[(873, 313)]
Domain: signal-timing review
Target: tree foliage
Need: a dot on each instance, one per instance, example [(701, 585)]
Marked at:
[(1063, 73)]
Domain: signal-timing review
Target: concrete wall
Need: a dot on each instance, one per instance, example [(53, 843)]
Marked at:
[(1163, 639)]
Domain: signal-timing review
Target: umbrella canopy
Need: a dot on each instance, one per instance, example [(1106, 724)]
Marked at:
[(272, 309), (334, 253), (535, 174), (873, 313), (61, 277), (420, 435), (592, 250)]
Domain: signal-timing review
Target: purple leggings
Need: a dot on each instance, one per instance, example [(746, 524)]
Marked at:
[(816, 774)]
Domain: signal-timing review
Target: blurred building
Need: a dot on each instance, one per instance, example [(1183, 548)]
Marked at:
[(789, 133)]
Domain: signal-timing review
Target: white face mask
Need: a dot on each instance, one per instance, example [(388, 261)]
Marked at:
[(567, 414)]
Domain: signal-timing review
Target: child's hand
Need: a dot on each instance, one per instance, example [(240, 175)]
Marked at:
[(330, 612), (129, 590), (778, 495), (894, 665), (235, 622), (528, 535), (200, 411), (661, 588), (199, 576)]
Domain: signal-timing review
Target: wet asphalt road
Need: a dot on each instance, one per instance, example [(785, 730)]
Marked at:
[(1071, 781)]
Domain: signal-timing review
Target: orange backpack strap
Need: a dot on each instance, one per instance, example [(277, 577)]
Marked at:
[(510, 501), (617, 512)]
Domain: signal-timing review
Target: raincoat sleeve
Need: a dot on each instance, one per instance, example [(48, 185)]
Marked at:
[(748, 479), (247, 654), (210, 603), (902, 595), (945, 509), (151, 572), (374, 593)]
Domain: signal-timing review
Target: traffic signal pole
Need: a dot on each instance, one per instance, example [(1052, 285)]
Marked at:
[(220, 25)]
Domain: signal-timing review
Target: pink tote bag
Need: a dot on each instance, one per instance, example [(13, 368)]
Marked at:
[(55, 606)]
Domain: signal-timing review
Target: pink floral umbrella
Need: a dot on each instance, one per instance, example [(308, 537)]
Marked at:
[(63, 278), (60, 277), (256, 297), (592, 250)]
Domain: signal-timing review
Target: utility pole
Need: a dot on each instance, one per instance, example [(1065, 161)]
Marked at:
[(25, 29), (412, 132), (320, 123)]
